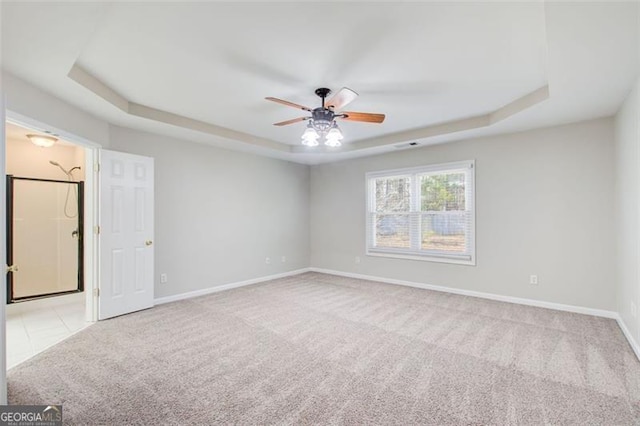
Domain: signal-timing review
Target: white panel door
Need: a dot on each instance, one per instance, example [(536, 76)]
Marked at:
[(126, 233)]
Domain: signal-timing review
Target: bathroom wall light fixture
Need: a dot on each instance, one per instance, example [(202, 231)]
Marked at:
[(42, 141)]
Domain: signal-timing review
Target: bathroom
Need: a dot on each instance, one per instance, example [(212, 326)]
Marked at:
[(45, 178)]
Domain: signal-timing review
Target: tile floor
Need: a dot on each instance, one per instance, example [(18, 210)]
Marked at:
[(37, 325)]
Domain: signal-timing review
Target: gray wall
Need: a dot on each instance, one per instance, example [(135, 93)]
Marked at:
[(220, 213), (627, 143), (544, 206)]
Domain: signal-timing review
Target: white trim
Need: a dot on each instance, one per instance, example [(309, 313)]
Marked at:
[(482, 295), (91, 208), (205, 291), (442, 258), (3, 257), (628, 335), (426, 169)]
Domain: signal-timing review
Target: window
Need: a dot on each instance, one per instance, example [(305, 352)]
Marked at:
[(424, 213)]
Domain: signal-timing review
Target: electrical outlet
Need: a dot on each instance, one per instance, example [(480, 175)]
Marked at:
[(357, 259), (163, 278), (267, 260), (634, 312), (283, 259), (533, 279)]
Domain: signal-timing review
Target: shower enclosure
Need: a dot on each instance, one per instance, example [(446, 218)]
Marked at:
[(44, 237)]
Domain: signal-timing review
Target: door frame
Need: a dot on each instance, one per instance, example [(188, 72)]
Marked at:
[(3, 260), (91, 264)]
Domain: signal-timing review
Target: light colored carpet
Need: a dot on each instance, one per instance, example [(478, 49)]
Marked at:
[(321, 349)]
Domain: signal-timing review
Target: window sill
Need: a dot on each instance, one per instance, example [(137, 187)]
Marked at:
[(457, 260)]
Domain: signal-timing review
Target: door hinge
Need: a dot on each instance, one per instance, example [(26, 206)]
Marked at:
[(96, 292), (11, 268), (96, 230), (97, 167)]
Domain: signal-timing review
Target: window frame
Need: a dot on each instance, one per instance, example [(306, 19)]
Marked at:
[(415, 252)]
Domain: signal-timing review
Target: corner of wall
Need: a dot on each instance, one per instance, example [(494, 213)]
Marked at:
[(627, 215)]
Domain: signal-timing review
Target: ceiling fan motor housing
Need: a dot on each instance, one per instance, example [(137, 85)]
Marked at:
[(322, 118)]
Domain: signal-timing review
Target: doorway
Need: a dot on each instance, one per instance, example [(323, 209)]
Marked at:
[(123, 200), (50, 212)]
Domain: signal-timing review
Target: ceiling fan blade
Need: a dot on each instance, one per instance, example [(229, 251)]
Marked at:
[(294, 120), (362, 116), (343, 97), (287, 103)]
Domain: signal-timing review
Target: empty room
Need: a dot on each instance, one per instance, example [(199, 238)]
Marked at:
[(320, 213)]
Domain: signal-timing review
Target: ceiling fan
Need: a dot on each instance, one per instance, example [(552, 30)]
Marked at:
[(322, 120)]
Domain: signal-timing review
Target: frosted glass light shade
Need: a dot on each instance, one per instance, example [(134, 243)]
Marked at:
[(42, 141), (334, 136), (310, 136)]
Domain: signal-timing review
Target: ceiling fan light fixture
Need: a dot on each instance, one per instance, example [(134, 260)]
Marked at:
[(322, 122), (334, 136), (310, 136), (42, 141)]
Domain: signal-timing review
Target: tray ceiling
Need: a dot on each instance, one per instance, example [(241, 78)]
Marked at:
[(437, 70)]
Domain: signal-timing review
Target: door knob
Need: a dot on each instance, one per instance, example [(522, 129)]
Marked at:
[(148, 242)]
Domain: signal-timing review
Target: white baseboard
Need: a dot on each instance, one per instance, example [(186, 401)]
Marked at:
[(196, 293), (627, 334), (510, 299)]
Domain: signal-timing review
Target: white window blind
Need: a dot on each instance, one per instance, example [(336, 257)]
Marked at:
[(425, 213)]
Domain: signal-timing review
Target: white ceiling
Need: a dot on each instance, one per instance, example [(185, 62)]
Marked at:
[(422, 64)]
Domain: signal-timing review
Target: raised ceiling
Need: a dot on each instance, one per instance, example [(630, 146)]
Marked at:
[(439, 71)]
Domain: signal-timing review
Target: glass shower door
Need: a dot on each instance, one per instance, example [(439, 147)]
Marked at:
[(44, 237)]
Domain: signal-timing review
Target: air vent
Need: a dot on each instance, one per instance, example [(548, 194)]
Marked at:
[(407, 145)]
